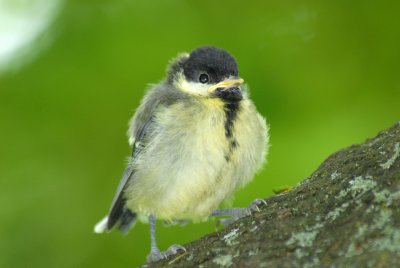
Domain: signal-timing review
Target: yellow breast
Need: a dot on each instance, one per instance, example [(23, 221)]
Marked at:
[(185, 173)]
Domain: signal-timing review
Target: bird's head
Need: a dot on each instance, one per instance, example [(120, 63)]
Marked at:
[(207, 72)]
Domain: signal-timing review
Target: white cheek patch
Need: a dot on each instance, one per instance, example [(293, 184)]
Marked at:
[(196, 88)]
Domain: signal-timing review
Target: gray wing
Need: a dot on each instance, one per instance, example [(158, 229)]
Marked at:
[(160, 95), (119, 213)]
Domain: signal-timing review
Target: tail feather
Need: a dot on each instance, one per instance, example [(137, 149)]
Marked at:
[(124, 223), (101, 226), (117, 210)]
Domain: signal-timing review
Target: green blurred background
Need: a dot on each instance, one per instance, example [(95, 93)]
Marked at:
[(325, 74)]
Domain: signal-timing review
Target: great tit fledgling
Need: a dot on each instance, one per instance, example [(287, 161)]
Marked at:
[(196, 138)]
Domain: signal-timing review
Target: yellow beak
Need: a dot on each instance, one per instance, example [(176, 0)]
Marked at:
[(227, 83)]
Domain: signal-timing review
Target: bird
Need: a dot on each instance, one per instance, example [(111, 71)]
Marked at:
[(196, 137)]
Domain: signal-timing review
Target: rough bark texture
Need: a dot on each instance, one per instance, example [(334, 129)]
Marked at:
[(346, 214)]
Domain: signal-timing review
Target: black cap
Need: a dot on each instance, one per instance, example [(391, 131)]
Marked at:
[(215, 62)]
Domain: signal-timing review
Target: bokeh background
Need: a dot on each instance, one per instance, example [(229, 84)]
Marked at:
[(325, 74)]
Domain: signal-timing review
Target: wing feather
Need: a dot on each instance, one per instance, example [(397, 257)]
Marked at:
[(140, 127), (118, 212)]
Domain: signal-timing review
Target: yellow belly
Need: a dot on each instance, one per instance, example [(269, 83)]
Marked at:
[(184, 172)]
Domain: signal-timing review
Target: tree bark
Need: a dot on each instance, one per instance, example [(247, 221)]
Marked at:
[(346, 214)]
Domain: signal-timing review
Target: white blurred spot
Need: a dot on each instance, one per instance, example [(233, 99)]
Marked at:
[(22, 22), (101, 226)]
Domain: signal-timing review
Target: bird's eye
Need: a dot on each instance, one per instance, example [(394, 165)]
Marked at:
[(203, 78)]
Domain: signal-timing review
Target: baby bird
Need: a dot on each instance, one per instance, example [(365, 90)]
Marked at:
[(196, 138)]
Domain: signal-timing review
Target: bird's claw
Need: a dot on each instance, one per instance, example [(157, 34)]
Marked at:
[(156, 255), (172, 250), (242, 212), (254, 206)]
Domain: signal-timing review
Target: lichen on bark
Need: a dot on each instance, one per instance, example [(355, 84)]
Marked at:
[(346, 214)]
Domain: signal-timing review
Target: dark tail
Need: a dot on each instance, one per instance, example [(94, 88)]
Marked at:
[(120, 217)]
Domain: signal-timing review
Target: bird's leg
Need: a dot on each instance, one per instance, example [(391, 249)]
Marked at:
[(155, 253), (237, 213)]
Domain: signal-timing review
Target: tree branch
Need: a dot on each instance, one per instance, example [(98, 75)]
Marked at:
[(346, 214)]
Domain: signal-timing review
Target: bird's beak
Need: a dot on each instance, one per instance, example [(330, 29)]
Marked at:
[(226, 84)]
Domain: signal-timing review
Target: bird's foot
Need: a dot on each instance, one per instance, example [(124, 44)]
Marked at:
[(156, 255), (255, 205), (238, 213)]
